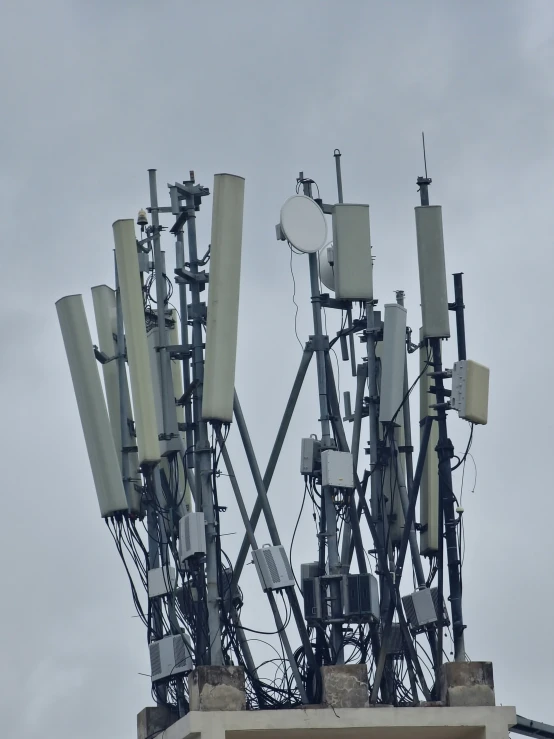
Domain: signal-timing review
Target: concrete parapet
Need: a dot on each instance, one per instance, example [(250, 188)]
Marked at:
[(481, 722), (215, 688), (345, 686), (467, 684), (153, 720)]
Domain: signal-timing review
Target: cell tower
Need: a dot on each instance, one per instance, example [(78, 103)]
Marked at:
[(156, 437)]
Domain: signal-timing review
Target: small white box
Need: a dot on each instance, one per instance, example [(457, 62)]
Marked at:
[(192, 535), (470, 391), (161, 581), (420, 609), (170, 657), (309, 455), (337, 469), (273, 568)]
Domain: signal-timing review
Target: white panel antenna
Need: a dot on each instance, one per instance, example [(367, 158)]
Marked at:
[(92, 406), (103, 299), (303, 224), (137, 346), (352, 252), (223, 298), (470, 391), (429, 486), (393, 502), (432, 272), (393, 363), (105, 313)]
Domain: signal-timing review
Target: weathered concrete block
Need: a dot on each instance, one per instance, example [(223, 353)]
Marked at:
[(345, 686), (467, 684), (215, 688), (154, 720)]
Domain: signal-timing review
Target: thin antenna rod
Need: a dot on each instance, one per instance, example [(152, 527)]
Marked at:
[(424, 182), (337, 156)]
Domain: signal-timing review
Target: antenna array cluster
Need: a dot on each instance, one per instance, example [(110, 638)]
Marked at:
[(156, 437)]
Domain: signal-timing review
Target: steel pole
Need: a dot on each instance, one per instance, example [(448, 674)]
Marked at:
[(321, 345), (203, 452), (275, 452), (400, 561), (460, 320), (252, 541), (445, 453), (183, 315), (169, 412), (272, 527)]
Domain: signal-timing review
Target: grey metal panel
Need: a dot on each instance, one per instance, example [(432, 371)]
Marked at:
[(432, 272), (352, 252)]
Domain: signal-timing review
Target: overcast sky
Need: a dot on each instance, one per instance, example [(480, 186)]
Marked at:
[(93, 94)]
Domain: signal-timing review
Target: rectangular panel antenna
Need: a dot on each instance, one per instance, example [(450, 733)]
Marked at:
[(352, 252), (470, 391), (103, 299), (223, 298), (393, 363), (137, 345), (105, 314), (102, 453), (432, 272)]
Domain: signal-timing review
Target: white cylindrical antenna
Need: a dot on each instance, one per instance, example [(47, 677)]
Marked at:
[(103, 299), (223, 299), (101, 449), (352, 252), (429, 486), (137, 345), (105, 314), (432, 272), (392, 364)]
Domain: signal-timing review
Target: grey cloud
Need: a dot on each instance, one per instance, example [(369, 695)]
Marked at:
[(95, 93)]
